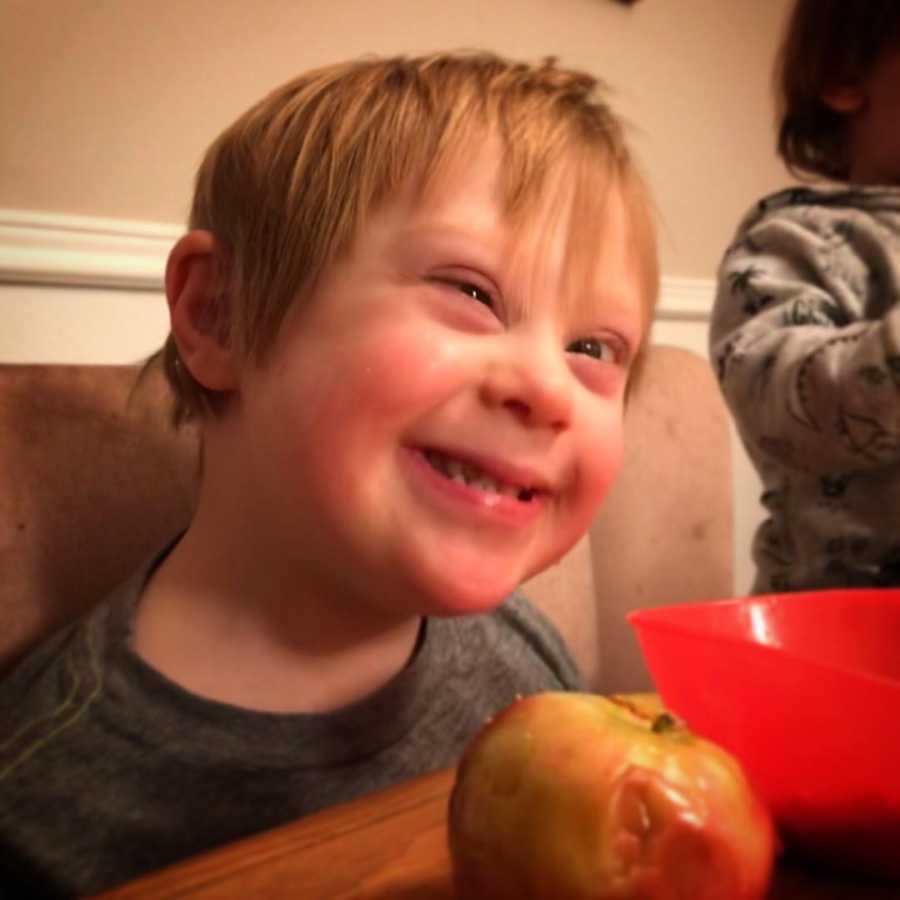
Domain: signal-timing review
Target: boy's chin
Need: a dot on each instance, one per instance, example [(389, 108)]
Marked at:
[(465, 597), (461, 579)]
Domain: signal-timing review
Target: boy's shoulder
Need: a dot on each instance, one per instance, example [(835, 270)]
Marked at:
[(52, 687), (101, 735)]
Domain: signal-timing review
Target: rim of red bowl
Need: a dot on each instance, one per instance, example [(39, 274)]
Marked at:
[(640, 617)]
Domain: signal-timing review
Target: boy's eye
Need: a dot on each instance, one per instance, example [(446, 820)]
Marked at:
[(475, 292), (593, 347)]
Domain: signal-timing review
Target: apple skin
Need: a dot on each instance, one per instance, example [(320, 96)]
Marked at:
[(569, 796)]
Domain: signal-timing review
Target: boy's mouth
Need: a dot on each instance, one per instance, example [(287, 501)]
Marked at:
[(474, 477)]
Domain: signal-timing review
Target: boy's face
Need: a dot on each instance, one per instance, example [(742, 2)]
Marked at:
[(441, 418)]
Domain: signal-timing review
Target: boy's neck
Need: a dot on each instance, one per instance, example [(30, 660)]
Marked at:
[(224, 624)]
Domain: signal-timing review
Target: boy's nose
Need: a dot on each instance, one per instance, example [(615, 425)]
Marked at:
[(537, 393)]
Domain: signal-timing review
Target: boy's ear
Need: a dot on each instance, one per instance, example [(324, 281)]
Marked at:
[(844, 98), (196, 311)]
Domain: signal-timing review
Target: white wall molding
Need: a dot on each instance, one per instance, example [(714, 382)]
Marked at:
[(83, 251), (686, 299)]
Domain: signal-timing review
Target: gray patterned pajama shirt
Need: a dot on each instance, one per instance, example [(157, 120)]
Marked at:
[(805, 340)]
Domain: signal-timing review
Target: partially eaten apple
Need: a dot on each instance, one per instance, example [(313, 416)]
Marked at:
[(568, 796)]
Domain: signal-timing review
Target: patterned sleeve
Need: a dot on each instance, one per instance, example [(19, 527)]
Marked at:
[(805, 338)]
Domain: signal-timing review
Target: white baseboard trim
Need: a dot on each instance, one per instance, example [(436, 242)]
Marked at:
[(85, 251)]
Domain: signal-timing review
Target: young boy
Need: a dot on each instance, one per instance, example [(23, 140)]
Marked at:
[(406, 313)]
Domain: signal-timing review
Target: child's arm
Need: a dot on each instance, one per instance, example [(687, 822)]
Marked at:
[(805, 339)]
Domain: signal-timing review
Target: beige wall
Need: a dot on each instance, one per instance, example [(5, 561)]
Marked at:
[(107, 105)]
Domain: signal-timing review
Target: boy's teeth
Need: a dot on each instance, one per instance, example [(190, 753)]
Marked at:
[(453, 468), (464, 473)]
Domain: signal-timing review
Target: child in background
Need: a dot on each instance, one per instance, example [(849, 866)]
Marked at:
[(805, 335), (405, 315)]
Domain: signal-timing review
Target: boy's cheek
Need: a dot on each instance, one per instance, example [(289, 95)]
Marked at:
[(370, 402), (602, 456), (402, 379), (600, 462)]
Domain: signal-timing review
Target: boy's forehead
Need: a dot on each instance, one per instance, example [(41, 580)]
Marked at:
[(458, 184), (467, 196)]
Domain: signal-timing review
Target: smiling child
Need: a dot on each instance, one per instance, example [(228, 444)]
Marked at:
[(406, 313)]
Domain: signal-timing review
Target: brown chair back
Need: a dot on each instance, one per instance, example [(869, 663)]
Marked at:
[(93, 479)]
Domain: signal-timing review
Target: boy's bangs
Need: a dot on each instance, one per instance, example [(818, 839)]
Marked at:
[(552, 177), (601, 198), (582, 196)]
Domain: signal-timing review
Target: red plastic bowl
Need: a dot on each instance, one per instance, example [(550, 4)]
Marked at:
[(804, 689)]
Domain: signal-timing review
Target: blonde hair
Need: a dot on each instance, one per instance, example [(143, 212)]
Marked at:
[(286, 189)]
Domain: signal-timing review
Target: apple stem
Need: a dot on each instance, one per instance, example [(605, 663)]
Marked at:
[(663, 722)]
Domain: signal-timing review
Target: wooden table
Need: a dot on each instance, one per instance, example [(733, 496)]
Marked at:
[(388, 846)]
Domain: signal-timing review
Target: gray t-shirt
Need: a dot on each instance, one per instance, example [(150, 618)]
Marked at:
[(108, 769)]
